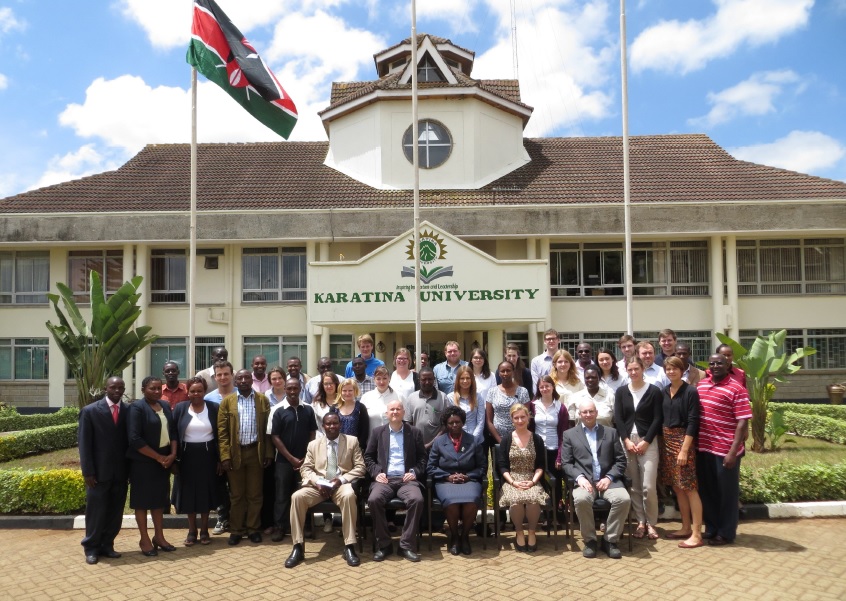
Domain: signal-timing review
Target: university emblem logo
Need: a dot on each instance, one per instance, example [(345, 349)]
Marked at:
[(432, 251)]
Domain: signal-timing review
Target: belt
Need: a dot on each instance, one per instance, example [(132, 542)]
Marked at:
[(249, 446)]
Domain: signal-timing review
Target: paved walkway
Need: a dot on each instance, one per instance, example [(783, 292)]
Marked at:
[(771, 560)]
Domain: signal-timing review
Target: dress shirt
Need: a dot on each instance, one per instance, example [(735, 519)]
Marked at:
[(445, 375), (540, 366), (546, 423), (396, 454), (247, 419), (651, 375), (590, 433), (425, 413), (403, 386), (262, 385), (174, 395), (365, 386), (376, 404), (215, 396), (604, 401), (475, 423)]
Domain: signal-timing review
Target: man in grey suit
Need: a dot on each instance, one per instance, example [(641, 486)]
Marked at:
[(396, 460), (593, 457)]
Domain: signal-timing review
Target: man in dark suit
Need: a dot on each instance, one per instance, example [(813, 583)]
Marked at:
[(396, 460), (103, 442), (593, 457)]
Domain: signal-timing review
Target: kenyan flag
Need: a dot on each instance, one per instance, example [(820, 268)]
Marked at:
[(221, 53)]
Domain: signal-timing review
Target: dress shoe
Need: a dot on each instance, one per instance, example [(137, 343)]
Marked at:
[(350, 556), (277, 535), (151, 553), (611, 549), (455, 548), (719, 541), (164, 547), (708, 535), (255, 537), (110, 553), (296, 557), (590, 549), (234, 539), (408, 554), (91, 558), (466, 549), (382, 553)]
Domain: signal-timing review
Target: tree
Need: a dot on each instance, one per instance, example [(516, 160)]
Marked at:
[(764, 363), (105, 348)]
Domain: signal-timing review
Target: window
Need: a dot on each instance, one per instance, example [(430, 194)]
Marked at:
[(24, 277), (428, 71), (785, 267), (175, 349), (830, 344), (276, 349), (168, 276), (274, 274), (658, 269), (700, 341), (107, 263), (434, 143), (340, 351), (23, 359)]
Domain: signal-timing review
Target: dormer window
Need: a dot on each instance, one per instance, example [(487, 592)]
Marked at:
[(434, 143), (398, 64), (428, 71)]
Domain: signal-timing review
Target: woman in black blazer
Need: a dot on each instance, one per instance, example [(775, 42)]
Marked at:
[(637, 419), (152, 451), (457, 465), (195, 490)]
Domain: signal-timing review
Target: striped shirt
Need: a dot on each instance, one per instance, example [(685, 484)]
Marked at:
[(247, 433), (722, 405)]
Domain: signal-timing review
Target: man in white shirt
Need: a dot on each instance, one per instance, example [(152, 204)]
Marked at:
[(217, 354), (324, 364), (542, 364), (584, 357), (652, 374), (627, 345)]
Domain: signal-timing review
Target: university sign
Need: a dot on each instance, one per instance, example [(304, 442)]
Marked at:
[(458, 283)]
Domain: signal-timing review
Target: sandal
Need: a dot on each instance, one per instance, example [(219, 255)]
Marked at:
[(204, 537), (651, 534), (191, 539), (640, 531)]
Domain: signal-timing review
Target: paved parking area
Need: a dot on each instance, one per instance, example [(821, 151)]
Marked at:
[(773, 559)]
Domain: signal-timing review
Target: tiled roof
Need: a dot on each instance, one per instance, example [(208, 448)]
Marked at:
[(291, 175), (436, 40)]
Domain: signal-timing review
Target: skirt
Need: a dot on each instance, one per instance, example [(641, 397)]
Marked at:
[(149, 483), (449, 493), (195, 489), (672, 474)]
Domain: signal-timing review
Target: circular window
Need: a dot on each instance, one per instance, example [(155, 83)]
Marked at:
[(434, 144)]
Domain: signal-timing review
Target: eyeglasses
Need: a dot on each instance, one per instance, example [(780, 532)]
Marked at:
[(399, 359)]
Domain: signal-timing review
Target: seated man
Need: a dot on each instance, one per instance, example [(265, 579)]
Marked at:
[(396, 460), (332, 463), (593, 457)]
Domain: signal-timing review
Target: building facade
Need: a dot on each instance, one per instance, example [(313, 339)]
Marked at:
[(304, 245)]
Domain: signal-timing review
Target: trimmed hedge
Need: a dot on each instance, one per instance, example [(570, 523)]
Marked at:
[(41, 491), (832, 411), (12, 420), (788, 483), (39, 440), (816, 426)]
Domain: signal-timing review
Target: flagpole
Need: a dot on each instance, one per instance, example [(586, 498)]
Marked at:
[(415, 160), (192, 253), (626, 176)]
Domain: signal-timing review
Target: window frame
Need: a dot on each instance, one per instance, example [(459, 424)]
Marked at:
[(10, 349), (277, 349), (758, 260), (427, 149), (169, 259), (278, 293), (12, 264), (103, 256)]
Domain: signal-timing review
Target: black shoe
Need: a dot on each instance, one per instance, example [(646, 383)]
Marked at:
[(151, 553), (408, 554), (590, 549), (255, 537), (466, 549), (455, 547), (110, 553), (234, 539), (611, 549), (382, 553), (350, 556), (165, 548), (91, 558), (296, 557), (277, 535)]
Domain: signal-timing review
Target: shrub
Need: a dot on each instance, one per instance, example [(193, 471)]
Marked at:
[(787, 483), (41, 491), (832, 411), (816, 426), (12, 420), (39, 440)]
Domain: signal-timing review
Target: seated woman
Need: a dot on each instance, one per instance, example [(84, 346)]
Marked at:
[(520, 461), (457, 465)]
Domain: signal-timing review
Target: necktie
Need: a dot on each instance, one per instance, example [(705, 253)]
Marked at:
[(115, 410), (332, 462)]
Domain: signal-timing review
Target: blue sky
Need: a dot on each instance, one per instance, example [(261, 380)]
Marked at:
[(85, 85)]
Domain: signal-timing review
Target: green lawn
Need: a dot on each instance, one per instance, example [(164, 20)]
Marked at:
[(805, 450)]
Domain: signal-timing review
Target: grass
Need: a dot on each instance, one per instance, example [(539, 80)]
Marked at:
[(805, 450)]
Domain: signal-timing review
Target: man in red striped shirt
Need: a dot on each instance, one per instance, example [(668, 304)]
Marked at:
[(723, 427)]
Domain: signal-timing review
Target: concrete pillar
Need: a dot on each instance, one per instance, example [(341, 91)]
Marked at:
[(142, 359), (731, 287), (717, 307), (324, 343), (544, 254), (323, 249), (382, 339), (56, 364), (495, 347)]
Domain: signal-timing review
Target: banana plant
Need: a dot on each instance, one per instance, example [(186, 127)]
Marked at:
[(108, 345), (765, 363)]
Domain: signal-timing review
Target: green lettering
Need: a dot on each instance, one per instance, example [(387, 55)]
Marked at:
[(532, 293), (399, 298), (498, 295), (424, 296), (460, 295), (437, 295), (474, 295), (355, 298), (516, 294), (342, 297), (486, 294), (318, 298)]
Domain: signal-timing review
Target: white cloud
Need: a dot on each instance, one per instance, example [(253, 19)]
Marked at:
[(803, 151), (84, 161), (565, 56), (4, 82), (8, 20), (753, 96), (682, 47)]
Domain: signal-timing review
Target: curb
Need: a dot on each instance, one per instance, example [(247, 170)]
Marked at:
[(771, 511)]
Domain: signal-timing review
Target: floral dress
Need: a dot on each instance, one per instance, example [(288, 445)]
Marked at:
[(522, 468)]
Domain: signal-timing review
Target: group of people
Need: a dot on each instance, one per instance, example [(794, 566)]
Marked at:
[(262, 446)]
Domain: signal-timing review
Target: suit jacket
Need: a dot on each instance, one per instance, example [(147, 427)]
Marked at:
[(577, 460), (228, 426), (145, 428), (469, 460), (648, 416), (378, 447), (183, 418), (102, 443), (350, 460)]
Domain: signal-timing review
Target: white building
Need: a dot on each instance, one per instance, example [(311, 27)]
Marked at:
[(302, 246)]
